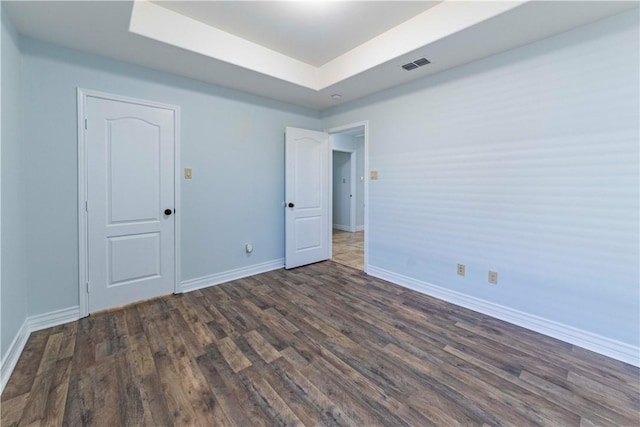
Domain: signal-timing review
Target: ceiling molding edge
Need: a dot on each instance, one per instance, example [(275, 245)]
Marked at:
[(436, 23), (448, 17), (151, 21)]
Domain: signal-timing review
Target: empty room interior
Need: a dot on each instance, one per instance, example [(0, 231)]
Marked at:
[(355, 213)]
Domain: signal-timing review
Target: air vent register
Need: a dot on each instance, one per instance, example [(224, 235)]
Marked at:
[(415, 64)]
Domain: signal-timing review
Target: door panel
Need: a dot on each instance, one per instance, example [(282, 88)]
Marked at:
[(130, 182), (134, 257), (307, 188), (133, 170), (308, 174), (308, 233)]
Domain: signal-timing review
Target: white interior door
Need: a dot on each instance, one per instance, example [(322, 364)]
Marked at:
[(307, 197), (130, 202)]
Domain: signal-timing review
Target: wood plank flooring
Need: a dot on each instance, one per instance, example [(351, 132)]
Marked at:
[(348, 248), (318, 345)]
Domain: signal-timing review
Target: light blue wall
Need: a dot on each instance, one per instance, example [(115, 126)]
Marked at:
[(233, 141), (348, 142), (13, 293), (525, 163), (341, 189)]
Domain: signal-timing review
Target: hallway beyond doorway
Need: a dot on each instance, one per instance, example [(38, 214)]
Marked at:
[(348, 248)]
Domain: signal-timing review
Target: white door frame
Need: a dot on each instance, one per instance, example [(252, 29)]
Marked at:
[(352, 187), (83, 235), (339, 129)]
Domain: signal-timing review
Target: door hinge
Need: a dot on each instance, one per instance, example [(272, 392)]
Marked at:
[(86, 206), (87, 287), (86, 124)]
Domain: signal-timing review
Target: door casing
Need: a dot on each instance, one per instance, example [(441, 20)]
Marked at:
[(83, 267)]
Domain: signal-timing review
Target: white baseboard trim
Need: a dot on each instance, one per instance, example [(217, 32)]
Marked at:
[(597, 343), (13, 354), (32, 324), (228, 276), (53, 318), (360, 228)]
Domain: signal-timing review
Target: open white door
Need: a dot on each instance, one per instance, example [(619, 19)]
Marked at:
[(307, 197)]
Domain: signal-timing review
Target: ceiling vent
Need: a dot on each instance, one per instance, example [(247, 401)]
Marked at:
[(415, 64)]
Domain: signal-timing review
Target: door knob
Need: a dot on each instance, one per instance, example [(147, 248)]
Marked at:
[(168, 211), (291, 205)]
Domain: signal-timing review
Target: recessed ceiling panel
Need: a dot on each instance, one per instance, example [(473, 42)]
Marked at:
[(313, 32)]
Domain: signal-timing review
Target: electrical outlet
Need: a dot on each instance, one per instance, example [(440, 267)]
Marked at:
[(493, 277), (460, 269)]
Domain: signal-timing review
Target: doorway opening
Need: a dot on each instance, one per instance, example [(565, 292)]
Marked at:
[(348, 195)]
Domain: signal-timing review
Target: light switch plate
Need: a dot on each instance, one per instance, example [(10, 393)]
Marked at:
[(374, 175), (187, 173), (493, 277)]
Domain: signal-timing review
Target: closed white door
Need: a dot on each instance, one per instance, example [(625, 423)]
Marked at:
[(307, 197), (130, 202)]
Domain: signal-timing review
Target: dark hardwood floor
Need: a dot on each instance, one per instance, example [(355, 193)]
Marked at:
[(319, 345)]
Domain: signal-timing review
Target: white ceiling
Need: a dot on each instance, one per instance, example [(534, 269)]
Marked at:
[(314, 32), (276, 50)]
